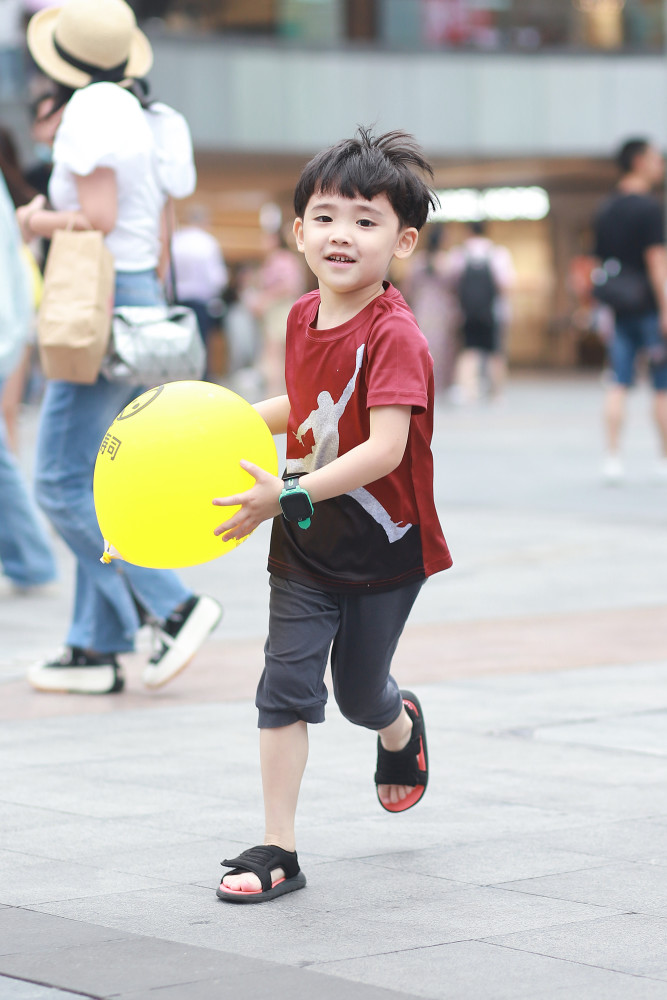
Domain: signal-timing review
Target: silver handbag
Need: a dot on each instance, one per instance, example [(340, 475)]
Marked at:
[(150, 345)]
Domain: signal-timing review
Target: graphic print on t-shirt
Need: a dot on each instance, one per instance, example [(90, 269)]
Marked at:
[(323, 422)]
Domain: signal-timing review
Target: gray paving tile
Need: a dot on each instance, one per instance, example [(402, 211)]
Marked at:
[(113, 967), (631, 943), (486, 863), (632, 886), (27, 932), (90, 840), (437, 821), (473, 969), (577, 784), (56, 789), (25, 880), (297, 984), (575, 697), (17, 989), (420, 912), (635, 839), (644, 733)]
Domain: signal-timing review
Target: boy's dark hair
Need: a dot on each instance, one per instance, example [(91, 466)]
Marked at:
[(367, 166), (625, 158)]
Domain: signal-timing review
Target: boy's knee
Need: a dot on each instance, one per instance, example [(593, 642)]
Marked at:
[(359, 713), (371, 710)]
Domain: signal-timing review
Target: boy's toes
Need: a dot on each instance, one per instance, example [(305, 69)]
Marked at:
[(393, 793), (248, 882)]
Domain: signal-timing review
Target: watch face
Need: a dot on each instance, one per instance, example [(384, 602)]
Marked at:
[(296, 506)]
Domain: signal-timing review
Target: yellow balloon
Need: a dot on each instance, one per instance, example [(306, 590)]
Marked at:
[(161, 463)]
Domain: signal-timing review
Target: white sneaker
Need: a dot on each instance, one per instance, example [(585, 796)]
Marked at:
[(613, 470), (179, 639), (75, 672)]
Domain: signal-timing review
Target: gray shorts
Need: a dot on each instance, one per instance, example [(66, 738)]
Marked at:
[(362, 632)]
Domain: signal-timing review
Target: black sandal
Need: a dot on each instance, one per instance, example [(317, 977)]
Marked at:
[(261, 861), (408, 766)]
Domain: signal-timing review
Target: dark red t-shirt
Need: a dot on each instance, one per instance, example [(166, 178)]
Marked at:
[(387, 533)]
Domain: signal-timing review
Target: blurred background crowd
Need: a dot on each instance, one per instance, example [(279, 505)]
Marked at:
[(520, 105)]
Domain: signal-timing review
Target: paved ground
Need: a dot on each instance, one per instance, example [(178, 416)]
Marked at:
[(536, 867)]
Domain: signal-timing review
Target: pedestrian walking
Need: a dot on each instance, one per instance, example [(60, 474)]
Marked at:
[(481, 274), (199, 270), (355, 530), (427, 292), (631, 278), (116, 160), (280, 282), (25, 552)]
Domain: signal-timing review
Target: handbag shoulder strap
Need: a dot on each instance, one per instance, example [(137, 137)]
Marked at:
[(170, 283)]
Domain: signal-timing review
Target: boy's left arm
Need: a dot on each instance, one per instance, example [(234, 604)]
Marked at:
[(376, 457)]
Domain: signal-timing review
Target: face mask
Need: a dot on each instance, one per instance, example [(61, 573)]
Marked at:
[(43, 152)]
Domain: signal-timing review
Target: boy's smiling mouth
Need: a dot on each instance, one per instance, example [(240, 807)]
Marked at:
[(340, 258)]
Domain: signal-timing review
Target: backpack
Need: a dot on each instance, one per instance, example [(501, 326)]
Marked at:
[(477, 292)]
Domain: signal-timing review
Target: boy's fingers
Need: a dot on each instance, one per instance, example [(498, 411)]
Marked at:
[(228, 525), (227, 501), (256, 471)]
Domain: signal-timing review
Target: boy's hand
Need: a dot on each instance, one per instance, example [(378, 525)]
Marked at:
[(258, 504)]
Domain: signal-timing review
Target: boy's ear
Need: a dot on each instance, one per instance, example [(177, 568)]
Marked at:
[(407, 241), (297, 229)]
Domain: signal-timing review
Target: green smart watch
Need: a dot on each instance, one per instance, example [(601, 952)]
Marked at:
[(295, 503)]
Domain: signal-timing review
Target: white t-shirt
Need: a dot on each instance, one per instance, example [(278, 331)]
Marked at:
[(104, 125), (198, 264)]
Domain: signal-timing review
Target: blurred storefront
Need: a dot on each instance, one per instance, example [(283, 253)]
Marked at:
[(443, 24)]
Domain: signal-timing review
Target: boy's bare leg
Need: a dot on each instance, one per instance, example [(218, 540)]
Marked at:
[(283, 754), (395, 737)]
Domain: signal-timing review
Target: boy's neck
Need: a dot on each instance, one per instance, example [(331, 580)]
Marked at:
[(337, 309)]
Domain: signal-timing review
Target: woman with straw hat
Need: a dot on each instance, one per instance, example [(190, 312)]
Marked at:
[(116, 160)]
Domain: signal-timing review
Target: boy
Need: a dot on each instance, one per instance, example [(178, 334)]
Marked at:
[(359, 532)]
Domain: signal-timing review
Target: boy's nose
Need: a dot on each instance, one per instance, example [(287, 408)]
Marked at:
[(340, 235)]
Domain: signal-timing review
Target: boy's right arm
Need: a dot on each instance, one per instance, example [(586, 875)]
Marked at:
[(275, 413)]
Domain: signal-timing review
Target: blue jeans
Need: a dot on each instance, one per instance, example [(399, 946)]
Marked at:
[(74, 420), (633, 334), (25, 552)]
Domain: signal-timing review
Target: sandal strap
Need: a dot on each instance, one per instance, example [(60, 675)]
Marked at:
[(400, 767), (261, 861)]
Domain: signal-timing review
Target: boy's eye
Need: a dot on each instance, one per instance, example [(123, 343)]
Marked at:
[(365, 223), (322, 218)]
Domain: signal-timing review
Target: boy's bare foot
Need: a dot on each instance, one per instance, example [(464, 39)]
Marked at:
[(262, 872), (396, 746), (396, 737)]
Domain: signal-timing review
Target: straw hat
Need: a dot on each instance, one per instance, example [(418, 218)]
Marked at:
[(86, 40)]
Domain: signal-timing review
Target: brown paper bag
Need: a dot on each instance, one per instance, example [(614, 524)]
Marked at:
[(74, 319)]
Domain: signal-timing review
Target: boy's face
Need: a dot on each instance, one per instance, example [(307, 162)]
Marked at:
[(349, 243)]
